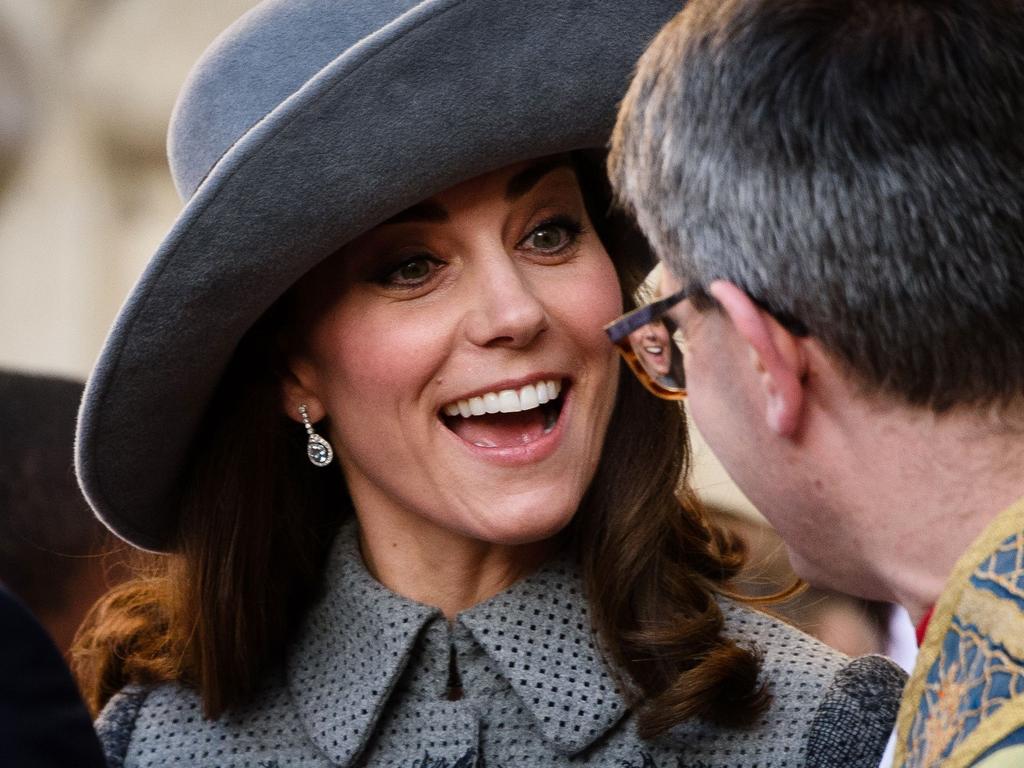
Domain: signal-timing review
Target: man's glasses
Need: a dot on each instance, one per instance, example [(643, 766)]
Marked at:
[(650, 343), (652, 346)]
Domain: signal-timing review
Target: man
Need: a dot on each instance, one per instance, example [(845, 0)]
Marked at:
[(837, 192)]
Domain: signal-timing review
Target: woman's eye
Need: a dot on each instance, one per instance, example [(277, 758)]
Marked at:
[(553, 236), (412, 272)]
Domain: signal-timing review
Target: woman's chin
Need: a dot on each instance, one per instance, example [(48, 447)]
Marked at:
[(518, 527)]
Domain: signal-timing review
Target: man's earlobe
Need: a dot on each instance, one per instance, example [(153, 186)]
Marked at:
[(777, 356)]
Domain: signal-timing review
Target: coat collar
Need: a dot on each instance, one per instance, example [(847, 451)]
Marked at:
[(539, 633), (359, 638), (353, 647)]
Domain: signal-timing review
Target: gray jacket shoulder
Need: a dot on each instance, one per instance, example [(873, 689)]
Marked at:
[(846, 708), (116, 723), (856, 714), (159, 725)]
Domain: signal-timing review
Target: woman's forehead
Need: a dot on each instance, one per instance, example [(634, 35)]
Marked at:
[(511, 181)]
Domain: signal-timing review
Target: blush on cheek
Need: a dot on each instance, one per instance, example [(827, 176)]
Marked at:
[(367, 350), (595, 297)]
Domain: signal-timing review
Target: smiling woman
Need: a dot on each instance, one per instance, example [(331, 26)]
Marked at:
[(410, 512), (475, 297)]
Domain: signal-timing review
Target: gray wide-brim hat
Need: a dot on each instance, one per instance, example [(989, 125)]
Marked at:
[(305, 124)]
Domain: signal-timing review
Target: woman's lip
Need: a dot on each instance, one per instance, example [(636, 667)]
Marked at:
[(530, 453)]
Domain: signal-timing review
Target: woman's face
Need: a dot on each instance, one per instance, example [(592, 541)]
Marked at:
[(490, 296), (651, 344)]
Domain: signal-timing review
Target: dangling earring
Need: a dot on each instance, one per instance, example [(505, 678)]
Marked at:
[(318, 449)]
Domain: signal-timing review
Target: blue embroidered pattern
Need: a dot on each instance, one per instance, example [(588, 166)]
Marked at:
[(975, 674)]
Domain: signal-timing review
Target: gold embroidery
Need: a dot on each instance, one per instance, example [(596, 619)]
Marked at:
[(945, 718), (915, 747), (1007, 578), (1001, 621), (1011, 757)]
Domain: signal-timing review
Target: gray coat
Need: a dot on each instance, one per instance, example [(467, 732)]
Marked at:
[(378, 680)]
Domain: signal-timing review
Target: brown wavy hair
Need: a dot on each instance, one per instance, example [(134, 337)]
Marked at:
[(218, 613)]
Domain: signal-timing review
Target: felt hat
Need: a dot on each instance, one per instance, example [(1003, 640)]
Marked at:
[(305, 124)]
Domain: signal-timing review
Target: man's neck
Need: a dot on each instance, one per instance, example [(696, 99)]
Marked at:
[(921, 488)]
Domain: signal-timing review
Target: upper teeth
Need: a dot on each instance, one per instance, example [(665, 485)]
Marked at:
[(506, 400)]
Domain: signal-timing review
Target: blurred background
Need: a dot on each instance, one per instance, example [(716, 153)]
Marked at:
[(86, 90)]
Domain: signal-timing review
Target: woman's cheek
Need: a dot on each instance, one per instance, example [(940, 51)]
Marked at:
[(600, 303)]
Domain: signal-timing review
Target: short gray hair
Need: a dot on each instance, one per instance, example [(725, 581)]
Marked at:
[(858, 165)]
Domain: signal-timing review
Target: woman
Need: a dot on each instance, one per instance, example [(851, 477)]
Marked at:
[(415, 516)]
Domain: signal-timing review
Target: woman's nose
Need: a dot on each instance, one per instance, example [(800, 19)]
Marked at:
[(506, 308)]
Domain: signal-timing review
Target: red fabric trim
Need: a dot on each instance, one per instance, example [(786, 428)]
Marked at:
[(922, 627)]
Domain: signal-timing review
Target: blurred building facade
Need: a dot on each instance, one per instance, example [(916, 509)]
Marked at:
[(86, 88)]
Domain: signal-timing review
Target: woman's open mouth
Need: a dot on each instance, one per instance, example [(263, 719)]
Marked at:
[(507, 418)]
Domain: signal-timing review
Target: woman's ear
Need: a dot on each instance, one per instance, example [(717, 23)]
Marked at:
[(298, 387), (777, 356)]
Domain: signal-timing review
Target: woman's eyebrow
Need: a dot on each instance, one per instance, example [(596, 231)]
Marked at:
[(428, 211), (527, 178)]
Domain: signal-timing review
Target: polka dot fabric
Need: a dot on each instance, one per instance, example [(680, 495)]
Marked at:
[(378, 680), (539, 635), (355, 645)]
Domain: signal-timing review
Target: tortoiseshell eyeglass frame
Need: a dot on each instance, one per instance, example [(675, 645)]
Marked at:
[(619, 330)]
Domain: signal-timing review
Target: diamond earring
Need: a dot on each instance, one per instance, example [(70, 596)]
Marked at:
[(318, 449)]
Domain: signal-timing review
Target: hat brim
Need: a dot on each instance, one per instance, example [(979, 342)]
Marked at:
[(446, 92)]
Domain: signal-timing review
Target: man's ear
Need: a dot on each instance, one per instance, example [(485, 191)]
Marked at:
[(778, 357), (298, 387)]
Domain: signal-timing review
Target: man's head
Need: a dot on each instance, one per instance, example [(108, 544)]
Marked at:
[(855, 168), (859, 165)]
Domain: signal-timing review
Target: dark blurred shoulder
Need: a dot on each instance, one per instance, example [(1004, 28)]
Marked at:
[(39, 699)]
